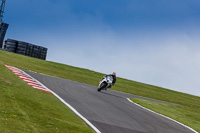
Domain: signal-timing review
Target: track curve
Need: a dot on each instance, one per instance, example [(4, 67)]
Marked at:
[(109, 111)]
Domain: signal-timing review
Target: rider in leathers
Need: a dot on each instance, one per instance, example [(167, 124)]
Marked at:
[(114, 78)]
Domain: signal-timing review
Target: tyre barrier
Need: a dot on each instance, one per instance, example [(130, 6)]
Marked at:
[(11, 40), (10, 50), (25, 48)]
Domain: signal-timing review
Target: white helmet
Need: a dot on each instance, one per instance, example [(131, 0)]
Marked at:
[(114, 73)]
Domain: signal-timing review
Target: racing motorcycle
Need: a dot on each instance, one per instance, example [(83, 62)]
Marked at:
[(105, 83)]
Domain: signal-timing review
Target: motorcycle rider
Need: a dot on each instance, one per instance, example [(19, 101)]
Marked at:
[(114, 78)]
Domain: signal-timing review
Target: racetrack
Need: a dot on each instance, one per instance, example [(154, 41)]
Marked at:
[(109, 111)]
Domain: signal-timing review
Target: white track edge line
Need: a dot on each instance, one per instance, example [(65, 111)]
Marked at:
[(162, 115), (68, 105), (77, 113)]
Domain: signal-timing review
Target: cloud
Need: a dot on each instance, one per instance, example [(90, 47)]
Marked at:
[(172, 64), (170, 61)]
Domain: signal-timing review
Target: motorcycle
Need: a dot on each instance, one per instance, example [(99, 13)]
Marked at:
[(105, 83)]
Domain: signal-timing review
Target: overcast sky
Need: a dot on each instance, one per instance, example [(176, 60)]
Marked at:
[(150, 41)]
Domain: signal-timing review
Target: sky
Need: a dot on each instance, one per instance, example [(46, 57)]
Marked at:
[(150, 41)]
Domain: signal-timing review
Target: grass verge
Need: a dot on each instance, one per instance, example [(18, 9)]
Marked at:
[(184, 114), (27, 110)]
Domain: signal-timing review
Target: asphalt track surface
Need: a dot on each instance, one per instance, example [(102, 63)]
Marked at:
[(109, 111)]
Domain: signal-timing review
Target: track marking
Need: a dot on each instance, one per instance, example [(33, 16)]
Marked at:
[(28, 79), (162, 115), (38, 85)]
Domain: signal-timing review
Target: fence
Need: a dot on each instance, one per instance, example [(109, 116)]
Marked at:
[(25, 48)]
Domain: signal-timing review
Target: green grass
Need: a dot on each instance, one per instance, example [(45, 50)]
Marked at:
[(184, 114), (190, 104), (24, 109)]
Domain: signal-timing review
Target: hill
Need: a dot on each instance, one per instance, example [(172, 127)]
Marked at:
[(187, 112)]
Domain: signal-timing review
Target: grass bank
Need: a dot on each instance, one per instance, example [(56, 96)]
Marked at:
[(187, 115), (190, 103), (27, 110)]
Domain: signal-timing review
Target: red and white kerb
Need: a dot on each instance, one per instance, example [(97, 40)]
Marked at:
[(28, 79)]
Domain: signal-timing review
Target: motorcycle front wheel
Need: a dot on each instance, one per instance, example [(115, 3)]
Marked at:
[(102, 86)]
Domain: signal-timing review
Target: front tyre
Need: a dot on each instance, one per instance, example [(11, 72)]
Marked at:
[(102, 86)]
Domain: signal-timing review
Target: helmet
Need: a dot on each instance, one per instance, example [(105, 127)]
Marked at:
[(114, 73)]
